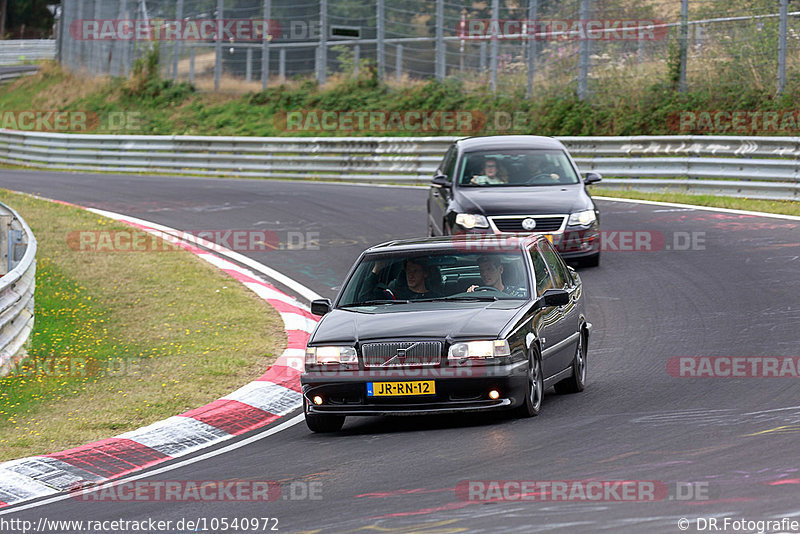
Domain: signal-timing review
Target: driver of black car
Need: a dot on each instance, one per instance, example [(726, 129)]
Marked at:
[(491, 270), (415, 282)]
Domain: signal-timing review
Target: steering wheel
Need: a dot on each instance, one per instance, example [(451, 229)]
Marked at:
[(541, 177), (486, 288), (388, 292)]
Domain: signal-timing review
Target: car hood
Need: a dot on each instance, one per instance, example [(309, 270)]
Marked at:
[(532, 200), (437, 320)]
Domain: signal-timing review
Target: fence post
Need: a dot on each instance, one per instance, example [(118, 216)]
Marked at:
[(191, 64), (94, 53), (379, 21), (126, 44), (80, 40), (175, 49), (398, 62), (356, 59), (282, 64), (533, 8), (494, 45), (440, 56), (782, 46), (583, 57), (322, 55), (265, 44), (684, 45), (483, 57), (218, 46), (248, 69)]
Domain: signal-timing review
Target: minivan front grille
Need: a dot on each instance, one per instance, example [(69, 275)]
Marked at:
[(514, 224)]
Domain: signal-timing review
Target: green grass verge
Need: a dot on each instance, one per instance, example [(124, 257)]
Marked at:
[(648, 105), (124, 339), (785, 207)]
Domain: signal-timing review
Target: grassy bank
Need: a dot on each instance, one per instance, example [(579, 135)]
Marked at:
[(646, 106), (123, 339), (785, 207)]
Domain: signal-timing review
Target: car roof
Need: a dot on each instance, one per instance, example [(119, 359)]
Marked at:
[(460, 243), (471, 144)]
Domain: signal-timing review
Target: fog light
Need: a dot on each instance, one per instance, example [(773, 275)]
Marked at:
[(494, 394), (317, 400)]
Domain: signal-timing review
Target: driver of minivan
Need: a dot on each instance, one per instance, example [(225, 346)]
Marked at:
[(539, 167)]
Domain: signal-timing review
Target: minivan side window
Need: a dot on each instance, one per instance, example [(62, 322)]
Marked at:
[(446, 166)]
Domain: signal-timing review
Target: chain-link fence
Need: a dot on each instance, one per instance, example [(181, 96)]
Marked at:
[(536, 46)]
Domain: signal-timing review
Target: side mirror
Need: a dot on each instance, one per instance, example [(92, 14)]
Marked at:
[(440, 180), (556, 297), (592, 178), (320, 306)]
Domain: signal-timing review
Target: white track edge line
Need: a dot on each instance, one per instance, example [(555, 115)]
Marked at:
[(703, 208), (279, 277), (269, 432)]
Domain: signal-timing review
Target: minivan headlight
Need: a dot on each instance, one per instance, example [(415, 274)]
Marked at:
[(582, 218), (471, 220)]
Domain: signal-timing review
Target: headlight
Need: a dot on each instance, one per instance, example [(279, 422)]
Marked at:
[(582, 218), (495, 348), (471, 220), (330, 355)]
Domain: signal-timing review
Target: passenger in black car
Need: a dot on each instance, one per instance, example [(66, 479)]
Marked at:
[(416, 283)]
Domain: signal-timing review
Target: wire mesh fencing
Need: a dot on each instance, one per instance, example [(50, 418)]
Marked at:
[(512, 46)]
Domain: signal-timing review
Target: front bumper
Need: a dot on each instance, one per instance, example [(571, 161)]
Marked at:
[(571, 242), (457, 390)]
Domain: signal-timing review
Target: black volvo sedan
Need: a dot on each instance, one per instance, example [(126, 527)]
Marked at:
[(438, 325), (516, 184)]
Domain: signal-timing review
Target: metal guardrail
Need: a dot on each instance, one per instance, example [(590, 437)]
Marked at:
[(12, 73), (755, 167), (17, 285), (16, 51)]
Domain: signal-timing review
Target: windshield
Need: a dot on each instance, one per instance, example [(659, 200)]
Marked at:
[(522, 167), (436, 276)]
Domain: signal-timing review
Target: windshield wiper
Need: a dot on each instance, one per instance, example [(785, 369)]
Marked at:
[(462, 297), (372, 302)]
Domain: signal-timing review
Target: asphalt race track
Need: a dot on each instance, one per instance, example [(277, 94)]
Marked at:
[(734, 292)]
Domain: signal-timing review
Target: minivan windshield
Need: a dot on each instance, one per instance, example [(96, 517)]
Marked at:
[(385, 279), (517, 167)]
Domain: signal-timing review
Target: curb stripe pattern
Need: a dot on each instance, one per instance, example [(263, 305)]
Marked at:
[(259, 403)]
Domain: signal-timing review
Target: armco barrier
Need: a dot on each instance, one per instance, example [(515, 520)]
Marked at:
[(18, 268), (16, 51), (756, 167)]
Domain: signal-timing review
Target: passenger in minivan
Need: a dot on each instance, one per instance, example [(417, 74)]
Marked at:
[(492, 173)]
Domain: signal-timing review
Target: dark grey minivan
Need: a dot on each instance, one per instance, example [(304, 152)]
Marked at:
[(516, 184)]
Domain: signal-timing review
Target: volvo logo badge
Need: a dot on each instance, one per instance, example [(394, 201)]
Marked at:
[(529, 224)]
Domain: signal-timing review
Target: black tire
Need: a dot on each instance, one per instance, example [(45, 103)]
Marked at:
[(323, 423), (532, 404), (577, 380), (591, 261)]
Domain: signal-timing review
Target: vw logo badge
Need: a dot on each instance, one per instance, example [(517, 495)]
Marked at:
[(529, 224)]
